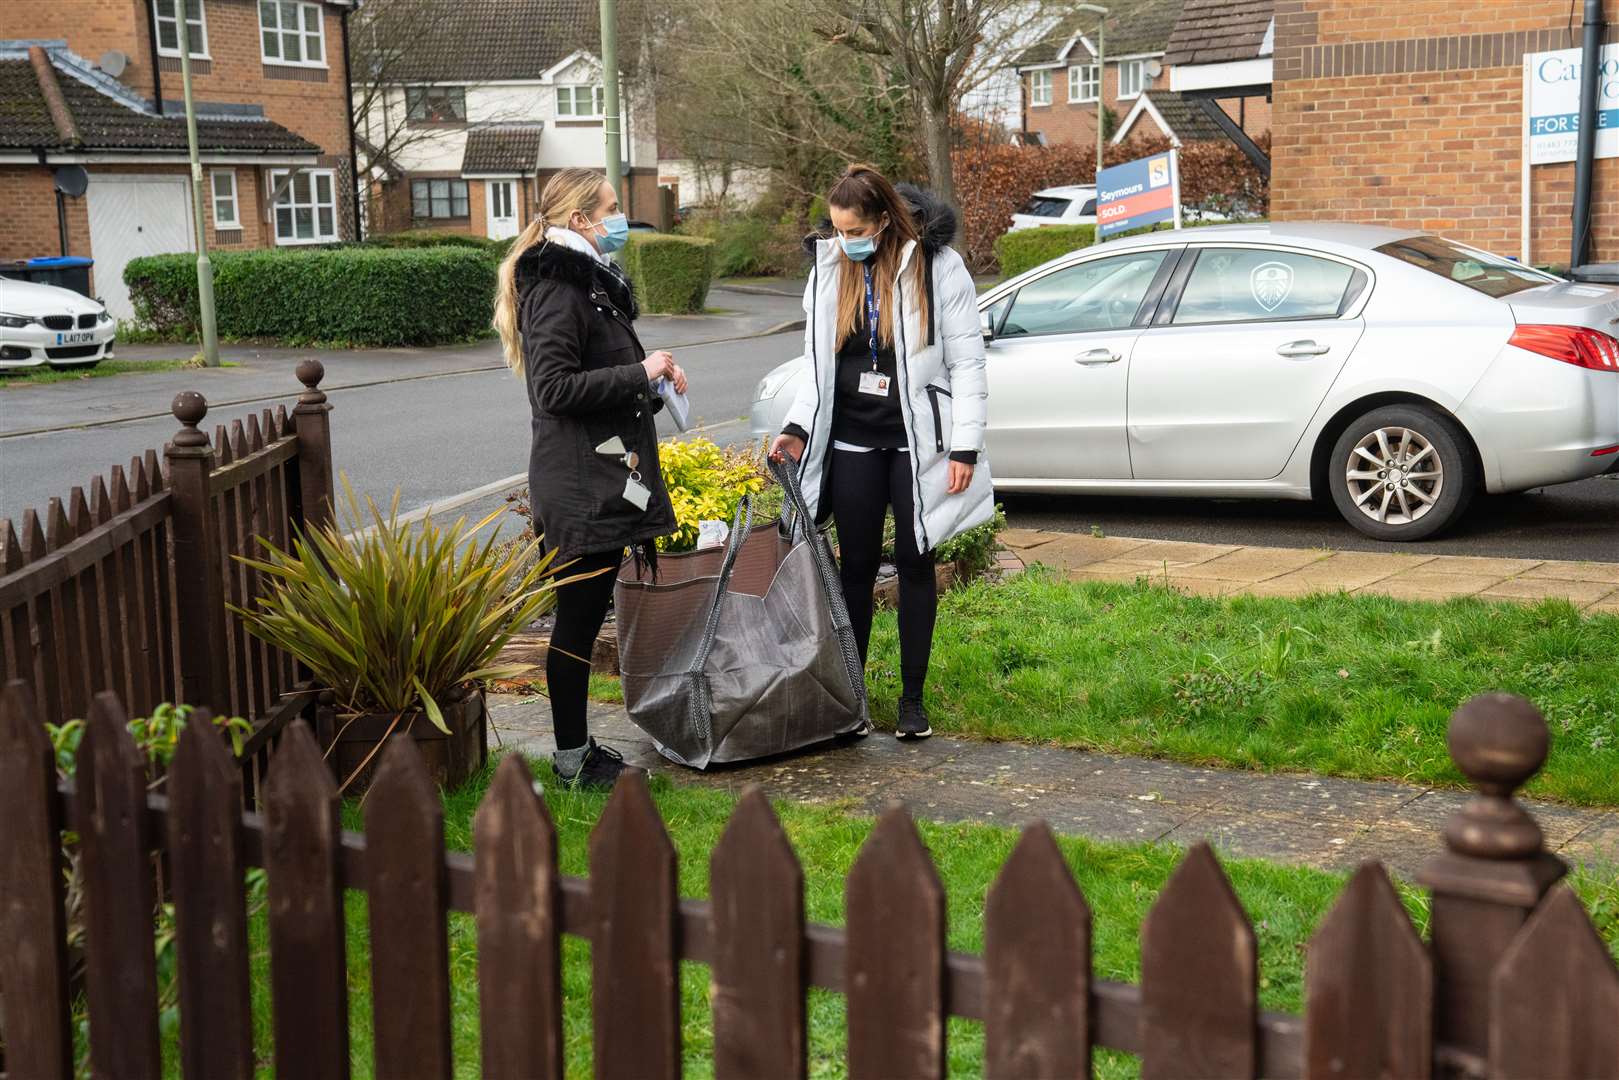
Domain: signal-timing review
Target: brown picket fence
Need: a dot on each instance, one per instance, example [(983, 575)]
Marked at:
[(126, 590), (1514, 981)]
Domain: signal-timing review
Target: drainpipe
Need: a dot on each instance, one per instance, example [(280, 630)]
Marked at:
[(348, 104), (1590, 80), (157, 67)]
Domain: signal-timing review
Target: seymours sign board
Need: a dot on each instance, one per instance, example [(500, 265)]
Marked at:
[(1138, 193), (1552, 86)]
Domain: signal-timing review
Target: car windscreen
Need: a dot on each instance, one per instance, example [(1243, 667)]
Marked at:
[(1045, 206), (1481, 272)]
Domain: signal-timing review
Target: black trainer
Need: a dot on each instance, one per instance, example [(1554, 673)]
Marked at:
[(601, 768), (913, 720)]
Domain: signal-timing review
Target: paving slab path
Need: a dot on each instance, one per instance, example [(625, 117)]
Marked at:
[(1316, 821)]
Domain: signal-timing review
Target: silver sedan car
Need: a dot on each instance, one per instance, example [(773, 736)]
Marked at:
[(1395, 373)]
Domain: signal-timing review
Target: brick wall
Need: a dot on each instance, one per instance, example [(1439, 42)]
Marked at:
[(28, 208), (1377, 119), (1065, 122)]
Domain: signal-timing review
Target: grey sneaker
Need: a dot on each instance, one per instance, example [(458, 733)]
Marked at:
[(600, 771), (913, 720)]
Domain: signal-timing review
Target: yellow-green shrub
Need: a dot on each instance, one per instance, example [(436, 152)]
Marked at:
[(706, 483)]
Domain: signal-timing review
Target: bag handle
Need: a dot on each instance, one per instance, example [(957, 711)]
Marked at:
[(741, 525), (786, 474)]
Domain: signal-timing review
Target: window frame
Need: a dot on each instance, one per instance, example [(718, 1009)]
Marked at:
[(598, 99), (303, 33), (1095, 84), (314, 206), (1173, 256), (234, 198), (1036, 79), (1139, 67), (449, 197), (426, 89), (158, 21), (1357, 290)]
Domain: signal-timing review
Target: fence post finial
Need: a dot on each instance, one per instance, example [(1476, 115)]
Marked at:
[(310, 372), (1495, 868), (199, 591), (189, 408), (312, 419)]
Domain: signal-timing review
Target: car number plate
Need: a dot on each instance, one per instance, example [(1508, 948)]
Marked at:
[(75, 338)]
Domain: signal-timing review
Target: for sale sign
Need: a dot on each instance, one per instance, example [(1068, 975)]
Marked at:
[(1138, 193), (1552, 82)]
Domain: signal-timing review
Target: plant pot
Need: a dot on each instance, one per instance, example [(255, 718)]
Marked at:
[(351, 743)]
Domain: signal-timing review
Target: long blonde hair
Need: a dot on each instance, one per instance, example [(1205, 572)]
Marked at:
[(570, 190), (868, 193)]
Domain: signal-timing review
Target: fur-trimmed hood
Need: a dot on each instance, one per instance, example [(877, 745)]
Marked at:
[(549, 261), (935, 219)]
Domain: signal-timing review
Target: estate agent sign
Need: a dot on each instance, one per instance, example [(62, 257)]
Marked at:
[(1552, 84), (1138, 193)]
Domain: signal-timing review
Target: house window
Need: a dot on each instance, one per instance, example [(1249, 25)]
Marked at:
[(1132, 78), (306, 209), (436, 104), (166, 16), (292, 32), (1084, 81), (438, 199), (579, 101), (226, 215), (1040, 88)]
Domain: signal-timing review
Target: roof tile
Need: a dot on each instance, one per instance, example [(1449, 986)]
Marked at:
[(1218, 31)]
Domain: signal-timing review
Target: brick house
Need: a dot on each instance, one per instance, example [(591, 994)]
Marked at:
[(471, 120), (1060, 80), (96, 84), (1408, 113)]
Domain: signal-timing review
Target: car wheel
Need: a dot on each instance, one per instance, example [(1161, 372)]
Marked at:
[(1402, 472), (75, 367)]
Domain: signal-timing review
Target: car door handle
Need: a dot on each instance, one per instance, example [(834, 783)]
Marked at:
[(1301, 348), (1097, 356)]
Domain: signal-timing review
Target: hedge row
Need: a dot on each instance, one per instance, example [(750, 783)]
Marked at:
[(1028, 248), (355, 296), (671, 273)]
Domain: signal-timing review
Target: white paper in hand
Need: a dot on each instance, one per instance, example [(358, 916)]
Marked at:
[(712, 534), (676, 404)]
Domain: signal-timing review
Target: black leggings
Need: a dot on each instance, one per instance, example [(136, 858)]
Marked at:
[(581, 608), (863, 487)]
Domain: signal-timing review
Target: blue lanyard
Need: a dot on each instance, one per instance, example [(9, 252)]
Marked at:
[(871, 318)]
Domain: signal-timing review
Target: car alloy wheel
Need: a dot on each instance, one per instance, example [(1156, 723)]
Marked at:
[(1394, 475)]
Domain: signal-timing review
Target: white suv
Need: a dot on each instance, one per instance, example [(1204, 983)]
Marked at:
[(45, 324), (1075, 205)]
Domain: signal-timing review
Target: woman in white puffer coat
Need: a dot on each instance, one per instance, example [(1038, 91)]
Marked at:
[(894, 414)]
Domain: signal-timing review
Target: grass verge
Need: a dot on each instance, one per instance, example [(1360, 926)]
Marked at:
[(1120, 883), (40, 376), (1341, 685)]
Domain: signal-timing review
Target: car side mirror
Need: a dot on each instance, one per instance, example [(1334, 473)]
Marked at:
[(987, 326)]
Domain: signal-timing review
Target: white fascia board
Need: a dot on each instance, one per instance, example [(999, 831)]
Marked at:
[(1184, 77)]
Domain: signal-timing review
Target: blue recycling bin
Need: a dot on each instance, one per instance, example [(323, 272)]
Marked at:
[(67, 271)]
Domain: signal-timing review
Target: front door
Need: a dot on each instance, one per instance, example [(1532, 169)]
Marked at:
[(1059, 368), (502, 208), (131, 216), (1224, 386)]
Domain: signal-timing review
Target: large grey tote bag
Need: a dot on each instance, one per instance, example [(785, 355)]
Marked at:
[(745, 651)]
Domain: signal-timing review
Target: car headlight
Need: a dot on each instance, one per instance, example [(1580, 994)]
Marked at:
[(15, 322)]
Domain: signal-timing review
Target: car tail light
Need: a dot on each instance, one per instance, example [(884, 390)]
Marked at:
[(1577, 345)]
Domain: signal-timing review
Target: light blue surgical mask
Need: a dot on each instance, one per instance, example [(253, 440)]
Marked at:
[(618, 231), (859, 248)]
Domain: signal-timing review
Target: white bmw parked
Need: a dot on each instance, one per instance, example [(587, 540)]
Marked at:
[(45, 324), (1395, 373)]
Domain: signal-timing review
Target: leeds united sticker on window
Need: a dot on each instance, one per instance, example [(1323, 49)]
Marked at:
[(1270, 283)]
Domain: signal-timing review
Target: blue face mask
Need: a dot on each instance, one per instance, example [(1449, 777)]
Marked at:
[(859, 248), (618, 231)]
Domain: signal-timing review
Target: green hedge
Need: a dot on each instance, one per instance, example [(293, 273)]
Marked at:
[(1028, 248), (671, 273), (741, 244), (428, 239), (355, 296)]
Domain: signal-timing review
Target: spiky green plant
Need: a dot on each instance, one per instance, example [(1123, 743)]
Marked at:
[(394, 616)]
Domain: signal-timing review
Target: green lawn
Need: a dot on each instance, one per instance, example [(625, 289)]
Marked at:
[(1338, 685), (40, 376), (1120, 883)]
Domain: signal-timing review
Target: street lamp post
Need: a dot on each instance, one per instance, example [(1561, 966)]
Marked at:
[(610, 121), (1101, 77), (205, 269)]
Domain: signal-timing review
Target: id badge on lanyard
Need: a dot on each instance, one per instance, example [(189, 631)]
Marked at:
[(872, 382)]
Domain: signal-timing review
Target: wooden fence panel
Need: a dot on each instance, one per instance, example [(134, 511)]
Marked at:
[(75, 676), (279, 534), (110, 609), (308, 987), (895, 956), (1368, 987), (756, 898), (1037, 966), (519, 939), (406, 885), (92, 657), (18, 645), (1199, 977), (1554, 1002), (48, 691), (635, 952), (211, 944), (119, 897), (137, 644), (33, 938)]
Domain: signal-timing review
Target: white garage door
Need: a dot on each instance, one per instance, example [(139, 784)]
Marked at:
[(131, 216)]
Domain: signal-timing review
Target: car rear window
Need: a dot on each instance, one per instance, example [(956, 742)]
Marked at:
[(1045, 206), (1481, 272)]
